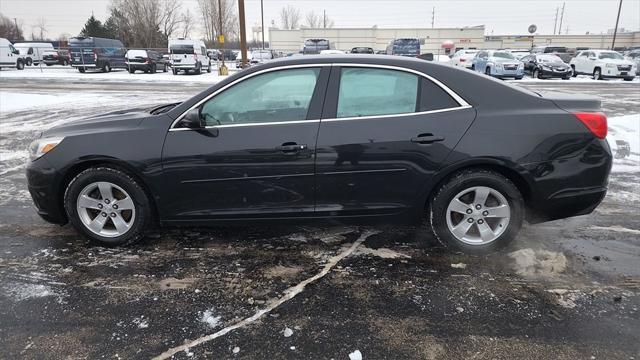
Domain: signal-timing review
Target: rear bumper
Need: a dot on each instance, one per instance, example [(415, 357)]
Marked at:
[(568, 203), (84, 65), (138, 66), (43, 183)]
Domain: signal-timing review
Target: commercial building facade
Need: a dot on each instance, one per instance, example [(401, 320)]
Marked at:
[(441, 40)]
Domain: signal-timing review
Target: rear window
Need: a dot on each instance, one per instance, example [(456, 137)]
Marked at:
[(136, 53), (182, 49)]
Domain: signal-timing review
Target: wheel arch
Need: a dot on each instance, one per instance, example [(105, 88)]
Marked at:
[(517, 174), (112, 163)]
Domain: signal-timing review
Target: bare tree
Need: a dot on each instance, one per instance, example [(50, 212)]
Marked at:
[(170, 18), (187, 23), (40, 28), (10, 29), (313, 20), (209, 11), (290, 17)]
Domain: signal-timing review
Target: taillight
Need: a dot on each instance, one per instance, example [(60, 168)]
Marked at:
[(95, 55), (596, 122), (462, 60)]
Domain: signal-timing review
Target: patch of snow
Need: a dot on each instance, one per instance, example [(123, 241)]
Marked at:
[(208, 318), (616, 229), (538, 263), (566, 298), (25, 291), (356, 355), (381, 252), (287, 332), (235, 350), (625, 128), (141, 322), (459, 266)]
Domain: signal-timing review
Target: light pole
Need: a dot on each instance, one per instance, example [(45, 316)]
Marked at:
[(262, 16), (243, 34), (615, 31)]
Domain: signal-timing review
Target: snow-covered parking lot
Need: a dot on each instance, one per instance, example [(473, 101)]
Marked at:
[(566, 289)]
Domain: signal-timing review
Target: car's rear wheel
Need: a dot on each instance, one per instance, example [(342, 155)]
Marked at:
[(20, 65), (573, 71), (487, 71), (175, 71), (108, 206), (164, 68), (597, 74), (628, 79), (29, 62), (209, 67), (198, 69), (82, 70), (153, 69), (106, 68), (476, 211)]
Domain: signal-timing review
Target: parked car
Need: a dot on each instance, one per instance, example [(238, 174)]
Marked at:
[(634, 55), (315, 46), (561, 51), (603, 64), (261, 56), (96, 53), (332, 52), (56, 57), (362, 50), (519, 53), (10, 56), (279, 140), (148, 61), (434, 57), (463, 57), (189, 56), (404, 47), (541, 66), (32, 51), (498, 63)]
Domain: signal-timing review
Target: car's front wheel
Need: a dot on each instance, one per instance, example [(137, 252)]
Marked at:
[(476, 211), (536, 74), (597, 74), (108, 206)]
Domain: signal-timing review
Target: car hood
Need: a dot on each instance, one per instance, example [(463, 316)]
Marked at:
[(113, 121), (554, 64)]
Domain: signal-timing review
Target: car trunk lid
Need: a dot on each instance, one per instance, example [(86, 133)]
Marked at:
[(571, 102)]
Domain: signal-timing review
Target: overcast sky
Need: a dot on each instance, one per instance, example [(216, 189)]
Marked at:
[(499, 16)]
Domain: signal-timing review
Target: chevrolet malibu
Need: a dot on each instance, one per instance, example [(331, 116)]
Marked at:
[(340, 137)]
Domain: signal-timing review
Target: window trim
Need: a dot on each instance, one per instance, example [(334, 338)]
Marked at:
[(462, 104)]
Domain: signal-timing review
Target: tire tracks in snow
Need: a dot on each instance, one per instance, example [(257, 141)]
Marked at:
[(289, 294)]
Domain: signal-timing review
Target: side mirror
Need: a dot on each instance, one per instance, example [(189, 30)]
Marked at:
[(192, 119), (16, 52)]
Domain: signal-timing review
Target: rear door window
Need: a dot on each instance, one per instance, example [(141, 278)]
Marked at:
[(370, 92), (433, 97)]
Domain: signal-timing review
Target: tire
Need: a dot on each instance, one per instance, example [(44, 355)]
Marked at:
[(536, 74), (48, 64), (209, 67), (573, 71), (519, 77), (628, 79), (153, 69), (473, 67), (106, 68), (29, 62), (597, 74), (164, 68), (566, 77), (65, 63), (131, 71), (487, 71), (138, 219), (20, 65), (82, 70), (198, 69), (175, 71), (504, 231)]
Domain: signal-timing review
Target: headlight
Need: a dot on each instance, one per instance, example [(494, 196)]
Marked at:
[(42, 146), (498, 66), (611, 65), (521, 66)]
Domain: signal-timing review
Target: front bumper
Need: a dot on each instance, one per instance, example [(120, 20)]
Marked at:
[(44, 184), (555, 73), (501, 72), (614, 73)]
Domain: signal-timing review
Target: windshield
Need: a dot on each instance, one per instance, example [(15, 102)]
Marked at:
[(555, 49), (549, 58), (503, 55), (610, 55), (182, 49)]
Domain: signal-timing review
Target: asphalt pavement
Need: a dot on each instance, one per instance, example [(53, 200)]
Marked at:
[(568, 289)]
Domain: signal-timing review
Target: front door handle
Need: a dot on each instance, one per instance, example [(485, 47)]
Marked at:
[(291, 147), (427, 138)]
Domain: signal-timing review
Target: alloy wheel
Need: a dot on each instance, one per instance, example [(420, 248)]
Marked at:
[(478, 215), (106, 209)]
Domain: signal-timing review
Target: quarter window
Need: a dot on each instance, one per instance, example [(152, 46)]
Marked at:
[(368, 92), (433, 97), (282, 95)]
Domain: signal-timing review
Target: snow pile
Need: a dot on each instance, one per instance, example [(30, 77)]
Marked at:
[(626, 129), (538, 263), (208, 318)]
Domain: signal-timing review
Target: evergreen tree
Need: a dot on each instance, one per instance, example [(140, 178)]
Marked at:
[(93, 27)]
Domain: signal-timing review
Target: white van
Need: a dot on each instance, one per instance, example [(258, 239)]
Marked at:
[(189, 55), (32, 52), (9, 55)]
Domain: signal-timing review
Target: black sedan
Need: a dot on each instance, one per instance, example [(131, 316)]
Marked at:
[(542, 66), (337, 137)]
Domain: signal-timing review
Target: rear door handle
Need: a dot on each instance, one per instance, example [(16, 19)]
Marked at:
[(291, 147), (427, 138)]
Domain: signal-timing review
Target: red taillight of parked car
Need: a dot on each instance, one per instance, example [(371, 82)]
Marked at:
[(462, 60), (95, 55), (146, 61), (596, 122)]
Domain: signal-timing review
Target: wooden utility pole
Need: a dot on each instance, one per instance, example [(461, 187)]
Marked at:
[(433, 16), (615, 31), (324, 19), (243, 34), (223, 68)]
